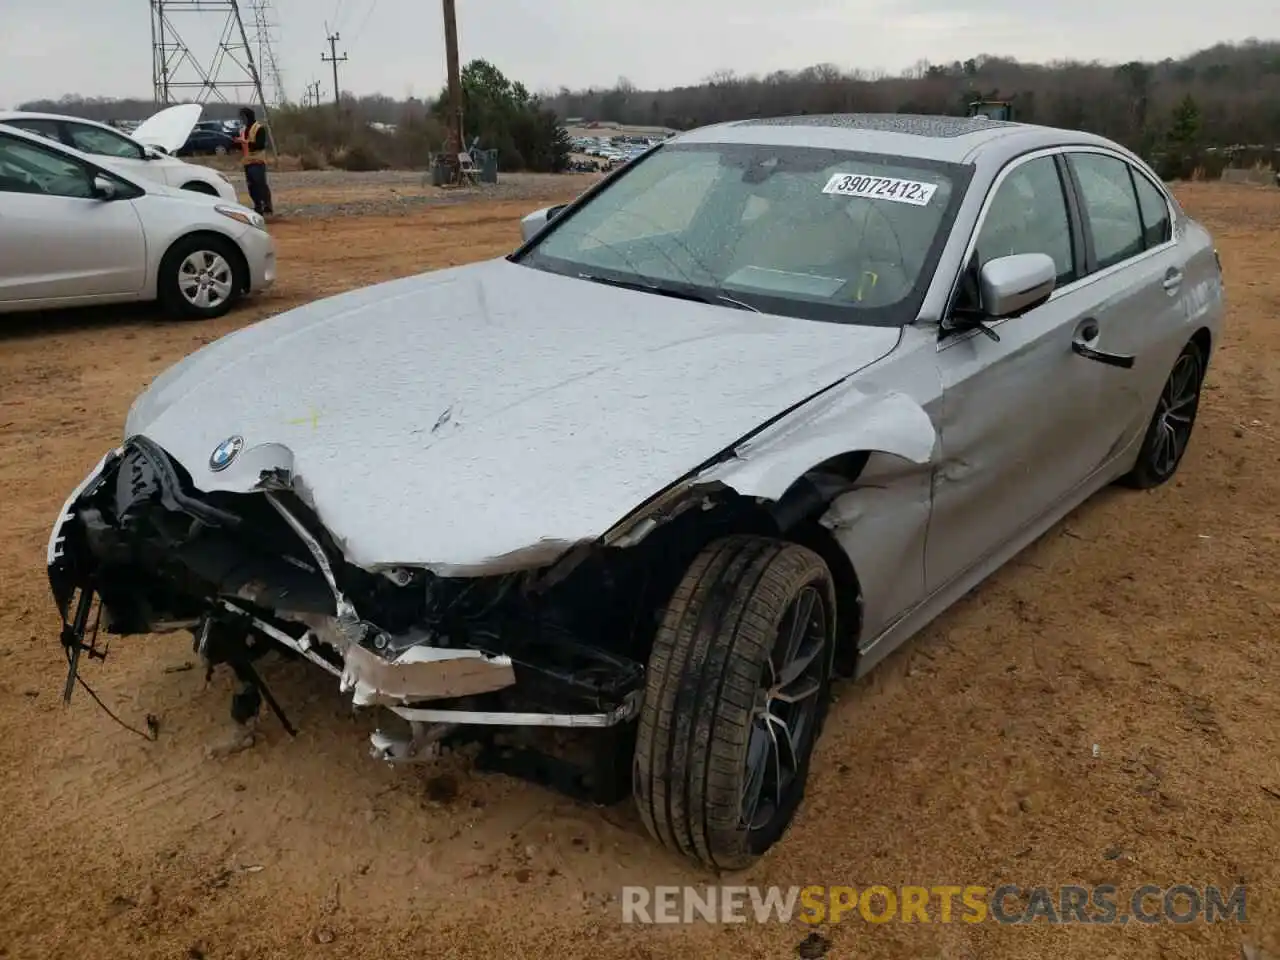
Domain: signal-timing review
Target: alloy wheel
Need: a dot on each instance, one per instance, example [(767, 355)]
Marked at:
[(784, 719)]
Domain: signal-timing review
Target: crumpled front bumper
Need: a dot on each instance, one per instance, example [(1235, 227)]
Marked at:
[(161, 557)]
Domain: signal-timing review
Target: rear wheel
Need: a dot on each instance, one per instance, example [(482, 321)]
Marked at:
[(736, 694), (1170, 429), (200, 277)]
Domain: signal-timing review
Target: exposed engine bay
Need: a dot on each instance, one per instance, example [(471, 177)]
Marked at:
[(562, 645)]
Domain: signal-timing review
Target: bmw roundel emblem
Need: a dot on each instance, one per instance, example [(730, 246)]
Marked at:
[(225, 453)]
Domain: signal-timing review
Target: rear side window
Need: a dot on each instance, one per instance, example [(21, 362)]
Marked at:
[(1111, 207), (45, 128), (1156, 228)]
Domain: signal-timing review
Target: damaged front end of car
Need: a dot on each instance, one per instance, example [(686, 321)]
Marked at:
[(256, 571), (551, 634)]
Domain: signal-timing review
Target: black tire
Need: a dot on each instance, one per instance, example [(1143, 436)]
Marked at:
[(219, 151), (170, 284), (1169, 431), (195, 186), (707, 682)]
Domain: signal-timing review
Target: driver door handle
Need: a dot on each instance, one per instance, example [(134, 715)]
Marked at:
[(1083, 345), (1172, 280)]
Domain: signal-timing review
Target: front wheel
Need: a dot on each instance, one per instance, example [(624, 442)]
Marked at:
[(200, 277), (736, 694), (1170, 429)]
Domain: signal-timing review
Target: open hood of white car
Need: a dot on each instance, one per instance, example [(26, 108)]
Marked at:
[(169, 128)]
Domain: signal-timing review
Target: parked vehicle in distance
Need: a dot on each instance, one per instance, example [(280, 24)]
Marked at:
[(144, 153), (209, 137), (75, 231), (740, 419)]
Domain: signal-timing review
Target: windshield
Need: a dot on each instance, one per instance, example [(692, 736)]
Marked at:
[(805, 232)]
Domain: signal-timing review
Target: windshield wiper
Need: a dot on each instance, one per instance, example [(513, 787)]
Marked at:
[(675, 292)]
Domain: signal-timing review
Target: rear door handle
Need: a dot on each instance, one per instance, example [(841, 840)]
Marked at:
[(1172, 279), (1082, 344)]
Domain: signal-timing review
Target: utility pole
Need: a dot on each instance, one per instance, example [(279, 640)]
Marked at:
[(454, 128), (334, 59), (312, 98)]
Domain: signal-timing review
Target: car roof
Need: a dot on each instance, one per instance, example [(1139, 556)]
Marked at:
[(944, 138)]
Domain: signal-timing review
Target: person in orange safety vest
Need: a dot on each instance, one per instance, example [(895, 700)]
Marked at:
[(253, 146)]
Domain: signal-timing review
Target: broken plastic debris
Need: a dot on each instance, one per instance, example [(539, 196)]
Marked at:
[(1097, 751)]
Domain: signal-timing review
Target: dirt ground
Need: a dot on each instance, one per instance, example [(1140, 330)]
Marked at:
[(1145, 624)]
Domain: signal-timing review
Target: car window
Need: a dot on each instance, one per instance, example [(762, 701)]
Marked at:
[(1111, 207), (667, 205), (29, 168), (44, 128), (103, 142), (1028, 214), (800, 231), (1156, 228)]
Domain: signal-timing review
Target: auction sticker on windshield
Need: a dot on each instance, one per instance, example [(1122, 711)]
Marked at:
[(881, 188)]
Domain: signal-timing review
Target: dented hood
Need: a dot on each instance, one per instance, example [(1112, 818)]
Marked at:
[(457, 418)]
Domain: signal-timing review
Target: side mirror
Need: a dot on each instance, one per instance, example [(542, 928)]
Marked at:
[(532, 225), (104, 188), (1009, 285)]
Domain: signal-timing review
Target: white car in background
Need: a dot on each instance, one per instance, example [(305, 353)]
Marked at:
[(144, 153), (75, 231)]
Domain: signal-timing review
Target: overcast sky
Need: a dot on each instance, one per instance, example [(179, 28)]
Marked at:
[(102, 47)]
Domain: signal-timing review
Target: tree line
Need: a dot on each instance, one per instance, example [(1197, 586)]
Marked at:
[(499, 114), (1219, 105), (1224, 96)]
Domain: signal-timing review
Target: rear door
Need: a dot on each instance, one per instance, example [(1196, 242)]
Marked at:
[(1138, 269), (57, 239)]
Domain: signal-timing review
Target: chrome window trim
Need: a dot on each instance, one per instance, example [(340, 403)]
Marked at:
[(1064, 149)]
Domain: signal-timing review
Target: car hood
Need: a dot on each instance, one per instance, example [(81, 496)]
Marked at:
[(169, 128), (457, 418)]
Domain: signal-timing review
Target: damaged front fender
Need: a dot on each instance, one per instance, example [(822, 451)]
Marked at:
[(769, 463)]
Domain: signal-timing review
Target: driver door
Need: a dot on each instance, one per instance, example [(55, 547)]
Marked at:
[(1019, 427), (58, 240)]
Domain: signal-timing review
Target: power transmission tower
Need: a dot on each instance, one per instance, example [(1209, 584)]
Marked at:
[(334, 59), (312, 96), (264, 39), (224, 70)]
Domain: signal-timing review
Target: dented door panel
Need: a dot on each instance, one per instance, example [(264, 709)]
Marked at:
[(1018, 431)]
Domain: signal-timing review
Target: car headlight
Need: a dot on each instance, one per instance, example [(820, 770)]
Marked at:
[(247, 217)]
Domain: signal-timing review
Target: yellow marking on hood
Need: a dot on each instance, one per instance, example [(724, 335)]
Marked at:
[(312, 418)]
